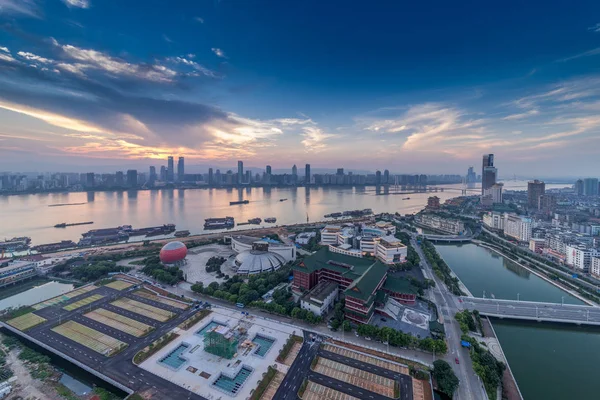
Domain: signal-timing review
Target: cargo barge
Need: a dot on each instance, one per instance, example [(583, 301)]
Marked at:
[(219, 223), (15, 244), (182, 234), (270, 220), (51, 247), (233, 203), (64, 224)]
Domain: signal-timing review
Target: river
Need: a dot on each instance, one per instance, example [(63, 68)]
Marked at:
[(549, 361), (29, 215)]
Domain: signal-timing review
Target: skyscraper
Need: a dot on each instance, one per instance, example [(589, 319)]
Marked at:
[(534, 190), (218, 177), (386, 176), (240, 173), (152, 175), (378, 177), (170, 169), (180, 169), (307, 174), (132, 178), (268, 175), (294, 174), (163, 173), (488, 173), (210, 177), (471, 176), (340, 171), (579, 187), (120, 179), (590, 187)]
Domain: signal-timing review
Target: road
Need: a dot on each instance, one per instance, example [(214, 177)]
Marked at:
[(470, 387), (535, 311)]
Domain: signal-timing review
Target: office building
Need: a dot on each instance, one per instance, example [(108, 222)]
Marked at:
[(307, 174), (537, 245), (170, 169), (152, 175), (132, 178), (517, 227), (580, 257), (340, 171), (240, 172), (294, 174), (534, 190), (120, 179), (547, 202), (378, 177), (471, 176), (595, 266), (579, 187), (494, 220), (590, 187), (445, 225), (180, 169), (488, 173), (210, 177)]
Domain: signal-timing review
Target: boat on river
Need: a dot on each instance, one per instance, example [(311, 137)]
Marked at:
[(64, 224)]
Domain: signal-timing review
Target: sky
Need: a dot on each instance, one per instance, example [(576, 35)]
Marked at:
[(423, 87)]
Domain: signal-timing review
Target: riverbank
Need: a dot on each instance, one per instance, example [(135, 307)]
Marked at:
[(540, 275)]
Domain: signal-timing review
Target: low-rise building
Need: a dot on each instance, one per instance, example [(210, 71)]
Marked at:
[(329, 234), (304, 237), (17, 271), (321, 298), (580, 257), (537, 245), (446, 225), (390, 250), (241, 243)]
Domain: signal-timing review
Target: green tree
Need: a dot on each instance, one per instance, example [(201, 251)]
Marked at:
[(445, 377)]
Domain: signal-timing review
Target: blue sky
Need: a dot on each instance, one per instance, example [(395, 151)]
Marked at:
[(407, 86)]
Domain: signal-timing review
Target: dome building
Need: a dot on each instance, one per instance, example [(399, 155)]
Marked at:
[(257, 260), (173, 253)]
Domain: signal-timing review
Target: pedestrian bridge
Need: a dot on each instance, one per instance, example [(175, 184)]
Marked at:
[(534, 311), (448, 238)]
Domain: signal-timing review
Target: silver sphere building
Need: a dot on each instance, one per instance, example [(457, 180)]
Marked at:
[(258, 260)]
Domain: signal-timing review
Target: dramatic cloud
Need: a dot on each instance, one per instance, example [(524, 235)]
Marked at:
[(218, 52), (314, 138), (34, 57), (4, 49)]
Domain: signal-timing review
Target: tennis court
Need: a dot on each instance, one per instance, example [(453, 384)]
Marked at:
[(367, 359), (314, 391), (83, 302), (64, 297), (90, 338), (143, 309), (119, 285), (354, 376), (120, 322), (158, 299), (26, 321)]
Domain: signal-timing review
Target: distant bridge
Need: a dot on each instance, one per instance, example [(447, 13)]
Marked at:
[(534, 311)]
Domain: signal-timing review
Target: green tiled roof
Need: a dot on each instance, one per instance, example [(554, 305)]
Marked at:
[(324, 258), (399, 285), (363, 287)]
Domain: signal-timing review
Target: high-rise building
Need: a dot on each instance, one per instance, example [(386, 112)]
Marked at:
[(386, 176), (534, 190), (180, 169), (119, 179), (248, 179), (590, 187), (89, 180), (268, 169), (488, 173), (495, 192), (433, 202), (471, 176), (579, 187), (294, 174), (210, 177), (132, 178), (240, 172), (378, 177), (547, 202), (517, 227), (170, 169), (152, 175), (340, 171), (163, 173), (218, 177), (307, 174)]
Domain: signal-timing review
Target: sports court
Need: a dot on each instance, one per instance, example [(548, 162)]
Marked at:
[(367, 359), (120, 322), (83, 302), (64, 297), (26, 321), (119, 285), (143, 309), (314, 391), (355, 376), (150, 296), (90, 338)]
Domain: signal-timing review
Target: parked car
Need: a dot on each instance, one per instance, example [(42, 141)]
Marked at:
[(456, 360), (383, 319)]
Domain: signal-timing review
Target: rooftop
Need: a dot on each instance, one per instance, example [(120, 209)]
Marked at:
[(365, 285), (349, 266), (391, 242), (321, 291), (399, 285), (251, 239)]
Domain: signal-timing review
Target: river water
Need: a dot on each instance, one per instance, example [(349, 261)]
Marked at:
[(36, 294), (549, 361), (29, 215)]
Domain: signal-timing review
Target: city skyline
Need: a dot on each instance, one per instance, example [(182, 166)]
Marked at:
[(75, 91)]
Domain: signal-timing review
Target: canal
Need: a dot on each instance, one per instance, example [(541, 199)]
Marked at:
[(549, 361)]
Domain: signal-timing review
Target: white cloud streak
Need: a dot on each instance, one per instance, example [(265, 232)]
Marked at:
[(34, 57), (77, 3), (20, 7), (220, 53), (595, 28)]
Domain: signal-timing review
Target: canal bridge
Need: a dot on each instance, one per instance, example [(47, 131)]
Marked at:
[(534, 311), (448, 238)]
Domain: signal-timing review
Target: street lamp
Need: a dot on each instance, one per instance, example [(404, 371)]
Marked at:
[(562, 303), (518, 295)]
